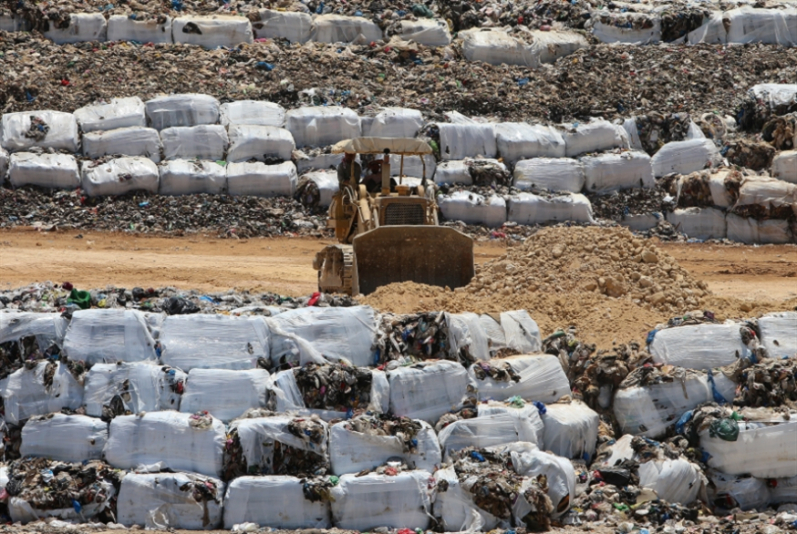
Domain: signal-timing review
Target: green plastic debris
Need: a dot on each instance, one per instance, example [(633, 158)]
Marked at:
[(725, 429), (334, 480), (81, 298)]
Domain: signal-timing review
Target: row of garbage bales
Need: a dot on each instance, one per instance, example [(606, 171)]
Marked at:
[(317, 413)]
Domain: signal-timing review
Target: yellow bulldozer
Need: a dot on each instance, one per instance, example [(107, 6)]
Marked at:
[(390, 234)]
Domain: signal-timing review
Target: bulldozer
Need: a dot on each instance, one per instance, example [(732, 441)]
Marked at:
[(390, 234)]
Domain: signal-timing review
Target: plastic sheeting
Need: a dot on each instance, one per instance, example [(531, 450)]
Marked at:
[(61, 130), (322, 126), (66, 438), (119, 176), (526, 208), (472, 208), (458, 141), (107, 336), (184, 177), (82, 27), (425, 32), (699, 223), (529, 461), (719, 193), (453, 172), (571, 430), (747, 493), (752, 231), (352, 452), (393, 122), (767, 192), (701, 346), (520, 140), (251, 112), (768, 26), (259, 142), (167, 501), (212, 31), (774, 95), (3, 162), (182, 110), (427, 390), (594, 136), (684, 157), (606, 173), (784, 492), (273, 501), (142, 386), (292, 26), (118, 113), (341, 29), (319, 334), (123, 28), (617, 31), (541, 379), (327, 183), (200, 142), (51, 171), (204, 341), (467, 335), (553, 174), (778, 334), (131, 141), (784, 166), (49, 328), (165, 440), (496, 46), (363, 503), (675, 481), (25, 394), (225, 394), (493, 428), (257, 437), (455, 507), (259, 179)]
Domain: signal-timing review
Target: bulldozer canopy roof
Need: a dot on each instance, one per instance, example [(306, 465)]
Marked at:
[(377, 145)]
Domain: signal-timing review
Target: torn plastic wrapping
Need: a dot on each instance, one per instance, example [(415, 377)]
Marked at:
[(458, 141), (138, 387), (427, 390), (611, 172), (784, 166), (496, 46), (552, 174), (47, 328), (627, 28), (699, 223), (204, 341), (778, 334), (182, 110), (749, 230), (541, 379), (67, 438), (494, 428), (453, 172), (316, 188), (82, 27), (468, 340), (702, 346), (154, 30), (784, 492), (393, 122), (200, 142), (259, 179), (3, 162), (131, 141), (185, 177), (118, 113), (472, 208), (765, 196), (769, 26), (519, 140), (401, 501), (594, 136), (527, 208), (46, 388), (119, 176), (292, 26), (342, 29), (425, 32), (50, 171), (727, 492), (274, 501), (251, 112), (322, 126), (225, 394), (259, 142), (684, 157), (108, 336), (454, 506), (212, 31), (167, 440), (529, 461), (571, 430), (676, 481)]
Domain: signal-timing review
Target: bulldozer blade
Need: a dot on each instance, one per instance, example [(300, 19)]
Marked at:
[(432, 255)]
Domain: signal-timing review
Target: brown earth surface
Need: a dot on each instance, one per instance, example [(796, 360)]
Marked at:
[(743, 280)]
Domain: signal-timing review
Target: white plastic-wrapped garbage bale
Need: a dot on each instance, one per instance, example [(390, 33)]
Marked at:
[(519, 140), (291, 26), (108, 336), (425, 31), (82, 27), (47, 328), (225, 394), (212, 31), (306, 163), (427, 390), (606, 173), (626, 28), (251, 112), (514, 330), (273, 501), (594, 136), (200, 142), (401, 501), (259, 179), (393, 122), (354, 447), (133, 141), (699, 223), (454, 507), (154, 30), (186, 109), (530, 48), (571, 430), (493, 425), (768, 26), (752, 231), (186, 177), (318, 335), (684, 157), (784, 166), (206, 341), (170, 501), (118, 113), (50, 171), (784, 492), (119, 176), (26, 393), (778, 334), (3, 162), (701, 346), (342, 29), (531, 462), (553, 174), (727, 492), (259, 142), (774, 95), (322, 126), (765, 448), (327, 184), (464, 140), (472, 208), (527, 208), (651, 409), (140, 386), (167, 440), (768, 193), (541, 378), (453, 172), (13, 23), (52, 129), (35, 509), (66, 438)]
